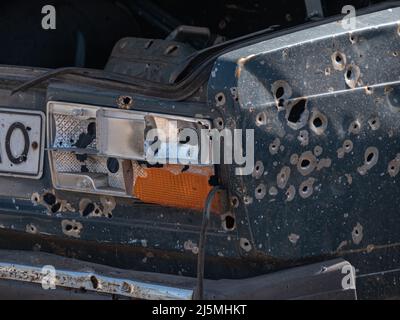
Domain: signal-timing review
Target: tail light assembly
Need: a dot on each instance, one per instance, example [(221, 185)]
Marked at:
[(125, 153)]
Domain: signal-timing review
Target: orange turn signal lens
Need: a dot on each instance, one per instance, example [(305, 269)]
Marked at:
[(173, 186)]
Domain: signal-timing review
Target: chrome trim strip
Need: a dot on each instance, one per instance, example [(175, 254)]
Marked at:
[(92, 282)]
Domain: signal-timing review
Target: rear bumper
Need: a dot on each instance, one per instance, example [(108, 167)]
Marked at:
[(36, 275)]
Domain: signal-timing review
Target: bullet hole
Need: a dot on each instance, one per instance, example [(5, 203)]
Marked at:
[(247, 200), (303, 138), (86, 138), (36, 198), (318, 151), (352, 75), (235, 202), (347, 146), (124, 102), (355, 127), (235, 94), (112, 165), (30, 228), (219, 123), (371, 157), (338, 61), (94, 281), (327, 71), (49, 199), (281, 103), (369, 90), (307, 163), (357, 233), (353, 39), (220, 99), (274, 146), (171, 49), (260, 192), (88, 209), (290, 193), (228, 222), (56, 207), (394, 166), (293, 238), (71, 228), (318, 122), (281, 90), (283, 177), (374, 123), (297, 111), (108, 205), (294, 159), (306, 188), (258, 170), (261, 119), (245, 244)]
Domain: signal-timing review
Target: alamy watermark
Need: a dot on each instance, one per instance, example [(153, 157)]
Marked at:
[(188, 146)]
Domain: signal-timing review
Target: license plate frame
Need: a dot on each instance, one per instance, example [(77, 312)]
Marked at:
[(27, 162)]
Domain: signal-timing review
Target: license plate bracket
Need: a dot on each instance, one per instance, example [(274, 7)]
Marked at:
[(21, 143)]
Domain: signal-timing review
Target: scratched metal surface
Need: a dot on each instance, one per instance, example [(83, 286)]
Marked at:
[(327, 143)]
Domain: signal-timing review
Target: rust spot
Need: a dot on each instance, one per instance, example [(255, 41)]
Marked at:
[(240, 64)]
